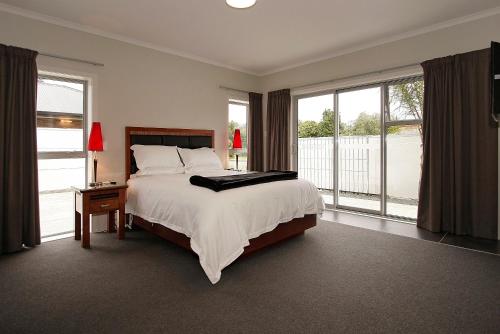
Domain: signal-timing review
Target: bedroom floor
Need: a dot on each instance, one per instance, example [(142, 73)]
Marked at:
[(335, 278), (410, 230)]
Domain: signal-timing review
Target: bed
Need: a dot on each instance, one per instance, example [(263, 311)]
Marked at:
[(217, 226)]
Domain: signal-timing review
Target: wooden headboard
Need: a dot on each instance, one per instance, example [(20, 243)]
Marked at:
[(185, 138)]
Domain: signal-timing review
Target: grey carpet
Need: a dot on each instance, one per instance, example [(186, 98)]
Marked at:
[(336, 278)]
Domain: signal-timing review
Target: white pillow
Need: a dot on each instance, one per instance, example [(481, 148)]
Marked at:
[(159, 171), (200, 159), (156, 156)]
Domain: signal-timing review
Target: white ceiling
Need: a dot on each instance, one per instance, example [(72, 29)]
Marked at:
[(272, 35)]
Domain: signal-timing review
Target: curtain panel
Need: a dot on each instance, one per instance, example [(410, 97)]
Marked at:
[(278, 130), (19, 211), (255, 133), (459, 183)]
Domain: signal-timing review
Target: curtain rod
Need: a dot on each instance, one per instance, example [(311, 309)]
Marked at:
[(70, 59), (355, 76), (234, 89), (334, 80)]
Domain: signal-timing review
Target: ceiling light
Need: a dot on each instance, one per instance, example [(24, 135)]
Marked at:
[(240, 4)]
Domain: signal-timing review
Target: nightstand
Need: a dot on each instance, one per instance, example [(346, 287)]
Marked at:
[(101, 199)]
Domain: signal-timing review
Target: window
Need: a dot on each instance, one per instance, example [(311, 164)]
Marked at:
[(61, 109), (362, 147), (238, 111), (359, 159), (315, 142), (404, 102)]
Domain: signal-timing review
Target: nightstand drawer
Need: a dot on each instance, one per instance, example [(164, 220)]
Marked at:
[(104, 205), (97, 200)]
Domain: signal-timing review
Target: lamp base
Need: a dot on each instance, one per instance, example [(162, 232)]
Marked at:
[(95, 169)]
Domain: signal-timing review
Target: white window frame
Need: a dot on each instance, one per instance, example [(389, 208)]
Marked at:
[(70, 154), (384, 125), (246, 104)]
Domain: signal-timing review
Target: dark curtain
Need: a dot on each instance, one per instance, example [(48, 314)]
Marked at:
[(255, 133), (458, 188), (19, 213), (278, 125)]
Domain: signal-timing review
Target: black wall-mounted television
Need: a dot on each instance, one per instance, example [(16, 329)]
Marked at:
[(495, 87)]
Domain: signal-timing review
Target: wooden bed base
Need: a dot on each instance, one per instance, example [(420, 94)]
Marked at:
[(282, 232), (194, 138)]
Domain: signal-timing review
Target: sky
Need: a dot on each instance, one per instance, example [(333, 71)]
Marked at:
[(238, 113), (351, 104), (77, 86)]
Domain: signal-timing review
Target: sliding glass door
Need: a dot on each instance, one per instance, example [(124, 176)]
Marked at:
[(315, 142), (62, 157), (362, 147), (403, 127), (359, 147)]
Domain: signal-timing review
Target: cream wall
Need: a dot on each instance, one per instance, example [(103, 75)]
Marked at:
[(136, 86), (460, 38)]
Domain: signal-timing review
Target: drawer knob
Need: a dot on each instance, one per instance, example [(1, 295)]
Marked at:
[(105, 205)]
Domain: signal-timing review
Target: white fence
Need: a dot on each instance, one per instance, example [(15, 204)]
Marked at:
[(360, 165)]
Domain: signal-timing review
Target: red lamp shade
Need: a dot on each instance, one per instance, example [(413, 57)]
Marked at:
[(95, 139), (237, 139)]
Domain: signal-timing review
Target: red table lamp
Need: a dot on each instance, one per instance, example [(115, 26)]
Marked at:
[(95, 145), (237, 144)]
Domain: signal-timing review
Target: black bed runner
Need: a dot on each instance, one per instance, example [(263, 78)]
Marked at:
[(218, 183)]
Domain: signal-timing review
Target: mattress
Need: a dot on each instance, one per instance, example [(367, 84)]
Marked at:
[(219, 224)]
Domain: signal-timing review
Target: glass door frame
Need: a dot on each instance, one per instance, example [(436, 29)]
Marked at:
[(246, 104), (387, 124), (382, 151), (69, 154), (384, 125), (295, 135)]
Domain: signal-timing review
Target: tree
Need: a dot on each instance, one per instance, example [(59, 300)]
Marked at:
[(325, 127), (308, 129), (407, 99), (366, 125)]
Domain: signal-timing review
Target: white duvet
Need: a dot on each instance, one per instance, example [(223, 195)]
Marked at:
[(219, 224)]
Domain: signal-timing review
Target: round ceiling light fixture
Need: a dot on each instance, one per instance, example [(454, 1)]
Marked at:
[(241, 4)]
